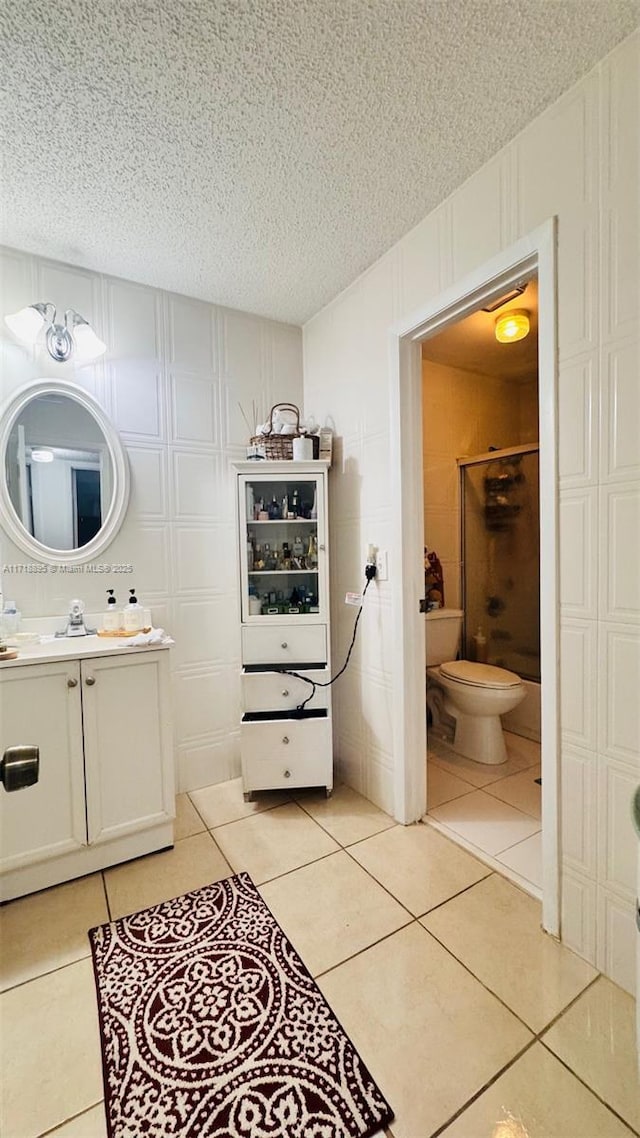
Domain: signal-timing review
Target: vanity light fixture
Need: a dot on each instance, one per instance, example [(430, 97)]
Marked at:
[(42, 454), (512, 326), (61, 339)]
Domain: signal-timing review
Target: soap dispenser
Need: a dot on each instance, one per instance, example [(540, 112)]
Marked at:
[(133, 614), (112, 619)]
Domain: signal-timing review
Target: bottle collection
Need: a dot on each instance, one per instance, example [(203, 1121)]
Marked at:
[(291, 507), (285, 549), (298, 556), (276, 602)]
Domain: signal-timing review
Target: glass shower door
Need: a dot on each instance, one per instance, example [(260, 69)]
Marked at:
[(501, 562)]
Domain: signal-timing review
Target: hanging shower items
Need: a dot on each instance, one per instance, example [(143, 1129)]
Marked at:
[(501, 559), (503, 492)]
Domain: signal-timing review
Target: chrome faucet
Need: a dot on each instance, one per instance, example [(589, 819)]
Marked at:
[(75, 622)]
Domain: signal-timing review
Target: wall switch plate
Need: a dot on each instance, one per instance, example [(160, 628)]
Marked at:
[(382, 565)]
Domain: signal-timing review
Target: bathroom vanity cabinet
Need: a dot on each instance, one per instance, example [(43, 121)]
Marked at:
[(105, 791), (284, 581)]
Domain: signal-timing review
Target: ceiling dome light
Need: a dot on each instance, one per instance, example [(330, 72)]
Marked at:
[(42, 454), (512, 326)]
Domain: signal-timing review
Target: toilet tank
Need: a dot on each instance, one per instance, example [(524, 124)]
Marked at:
[(443, 629)]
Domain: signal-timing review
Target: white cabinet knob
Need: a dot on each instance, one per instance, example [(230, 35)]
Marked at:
[(287, 774), (285, 692), (285, 739)]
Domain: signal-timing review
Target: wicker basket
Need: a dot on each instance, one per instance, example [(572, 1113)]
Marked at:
[(278, 446)]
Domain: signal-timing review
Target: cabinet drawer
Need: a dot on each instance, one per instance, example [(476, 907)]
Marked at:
[(269, 691), (283, 753), (284, 644)]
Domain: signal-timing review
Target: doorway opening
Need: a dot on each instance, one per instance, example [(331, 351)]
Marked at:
[(482, 595), (533, 255)]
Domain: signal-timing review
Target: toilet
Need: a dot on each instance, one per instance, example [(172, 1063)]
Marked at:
[(473, 695)]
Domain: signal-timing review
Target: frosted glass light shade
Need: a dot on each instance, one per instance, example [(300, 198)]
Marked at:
[(512, 326), (42, 454), (26, 324), (88, 345)]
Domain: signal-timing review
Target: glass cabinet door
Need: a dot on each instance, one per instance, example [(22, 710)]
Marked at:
[(282, 547)]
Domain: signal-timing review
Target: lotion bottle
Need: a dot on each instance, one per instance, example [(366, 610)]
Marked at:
[(133, 614), (112, 618)]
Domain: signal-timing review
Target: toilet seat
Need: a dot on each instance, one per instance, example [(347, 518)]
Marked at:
[(479, 675)]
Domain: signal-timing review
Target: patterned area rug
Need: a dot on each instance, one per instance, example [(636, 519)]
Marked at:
[(212, 1026)]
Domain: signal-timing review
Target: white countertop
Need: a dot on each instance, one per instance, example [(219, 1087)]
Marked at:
[(76, 648)]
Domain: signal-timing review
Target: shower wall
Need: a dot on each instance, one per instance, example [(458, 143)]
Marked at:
[(501, 561), (465, 413)]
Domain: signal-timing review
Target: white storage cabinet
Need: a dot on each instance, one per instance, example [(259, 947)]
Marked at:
[(284, 583), (105, 791)]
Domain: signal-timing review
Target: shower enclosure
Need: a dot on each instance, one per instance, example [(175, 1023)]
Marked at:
[(501, 559)]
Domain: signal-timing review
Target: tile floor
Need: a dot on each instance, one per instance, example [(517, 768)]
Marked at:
[(495, 812), (474, 1022)]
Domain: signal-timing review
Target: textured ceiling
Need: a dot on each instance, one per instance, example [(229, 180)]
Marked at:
[(262, 153)]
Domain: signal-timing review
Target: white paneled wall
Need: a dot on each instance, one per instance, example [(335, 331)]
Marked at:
[(577, 161), (172, 378)]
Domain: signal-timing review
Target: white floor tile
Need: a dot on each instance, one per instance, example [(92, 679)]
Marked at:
[(49, 1051), (596, 1039), (430, 1034), (525, 858), (520, 790), (486, 822), (537, 1098), (481, 774), (494, 929), (442, 786)]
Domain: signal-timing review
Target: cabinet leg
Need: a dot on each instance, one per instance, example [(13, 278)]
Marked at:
[(328, 791), (248, 796)]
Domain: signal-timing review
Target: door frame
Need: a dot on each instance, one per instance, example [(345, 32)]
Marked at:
[(534, 253)]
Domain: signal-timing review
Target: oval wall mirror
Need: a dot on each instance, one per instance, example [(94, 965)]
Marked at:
[(64, 477)]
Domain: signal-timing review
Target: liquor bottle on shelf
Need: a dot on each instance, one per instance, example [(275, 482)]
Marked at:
[(298, 547), (249, 553), (295, 503), (312, 552)]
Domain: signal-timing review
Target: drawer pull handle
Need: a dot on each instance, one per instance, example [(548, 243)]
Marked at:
[(71, 683), (284, 644), (90, 681), (287, 774), (285, 692), (285, 739)]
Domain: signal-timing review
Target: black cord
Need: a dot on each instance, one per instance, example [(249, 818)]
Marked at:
[(316, 683)]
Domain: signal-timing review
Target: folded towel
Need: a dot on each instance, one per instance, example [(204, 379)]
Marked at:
[(156, 636)]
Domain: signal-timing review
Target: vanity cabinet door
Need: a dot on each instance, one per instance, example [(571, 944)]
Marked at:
[(40, 705), (128, 744)]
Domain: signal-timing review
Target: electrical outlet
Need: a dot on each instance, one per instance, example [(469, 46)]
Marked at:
[(382, 565)]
